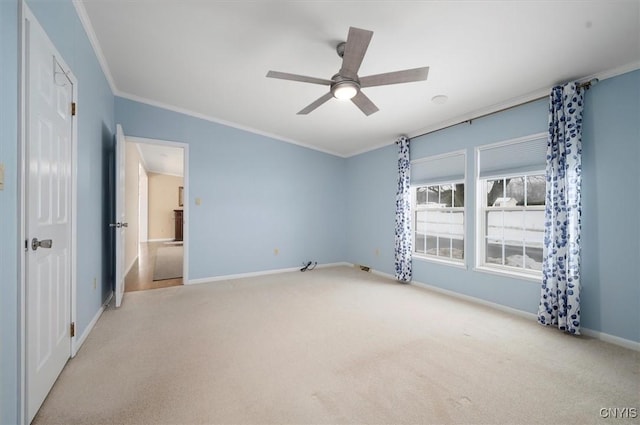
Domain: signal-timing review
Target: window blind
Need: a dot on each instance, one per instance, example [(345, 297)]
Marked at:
[(438, 169), (517, 157)]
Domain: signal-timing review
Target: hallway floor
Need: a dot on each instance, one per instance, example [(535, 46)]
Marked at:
[(140, 277)]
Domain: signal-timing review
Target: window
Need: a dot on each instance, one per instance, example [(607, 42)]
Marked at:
[(511, 201), (438, 207), (439, 221), (514, 221)]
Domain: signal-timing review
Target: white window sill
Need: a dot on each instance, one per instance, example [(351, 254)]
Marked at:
[(532, 277), (446, 262)]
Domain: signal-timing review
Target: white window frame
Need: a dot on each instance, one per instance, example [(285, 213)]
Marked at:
[(461, 263), (482, 209)]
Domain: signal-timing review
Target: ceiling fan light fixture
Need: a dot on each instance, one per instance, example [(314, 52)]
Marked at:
[(344, 90)]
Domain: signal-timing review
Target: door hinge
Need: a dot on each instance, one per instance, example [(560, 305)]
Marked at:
[(73, 109), (73, 329), (26, 245)]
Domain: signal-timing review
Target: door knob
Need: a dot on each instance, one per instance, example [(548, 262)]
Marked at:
[(116, 225), (125, 224), (45, 243)]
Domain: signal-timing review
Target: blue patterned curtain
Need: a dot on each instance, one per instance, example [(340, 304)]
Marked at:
[(404, 241), (560, 297)]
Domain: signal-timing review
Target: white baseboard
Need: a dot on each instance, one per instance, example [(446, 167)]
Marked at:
[(612, 339), (495, 306), (75, 346), (602, 336), (240, 275), (327, 265), (260, 273), (161, 240)]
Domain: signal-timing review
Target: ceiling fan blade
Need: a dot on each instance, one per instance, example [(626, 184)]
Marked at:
[(357, 44), (397, 77), (365, 104), (315, 104), (296, 77)]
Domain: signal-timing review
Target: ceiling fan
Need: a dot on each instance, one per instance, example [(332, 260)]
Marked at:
[(346, 84)]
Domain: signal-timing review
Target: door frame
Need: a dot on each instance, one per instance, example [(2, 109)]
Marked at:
[(185, 172), (26, 15), (143, 201)]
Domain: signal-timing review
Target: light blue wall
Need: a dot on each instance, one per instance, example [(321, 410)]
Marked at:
[(95, 142), (611, 201), (611, 278), (371, 180), (257, 194), (9, 245)]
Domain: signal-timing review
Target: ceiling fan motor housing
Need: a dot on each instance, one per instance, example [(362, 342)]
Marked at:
[(344, 88)]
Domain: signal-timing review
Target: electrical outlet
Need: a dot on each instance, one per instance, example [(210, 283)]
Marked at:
[(276, 251), (1, 176), (377, 252), (95, 283), (198, 201)]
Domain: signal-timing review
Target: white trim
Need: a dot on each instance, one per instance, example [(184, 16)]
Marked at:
[(93, 39), (475, 300), (440, 260), (26, 14), (604, 75), (186, 203), (148, 141), (338, 264), (209, 118), (517, 101), (260, 273), (602, 336), (382, 274), (81, 339), (499, 270), (513, 102), (240, 276), (22, 306), (373, 148), (74, 207), (611, 339), (497, 107), (139, 149), (163, 173)]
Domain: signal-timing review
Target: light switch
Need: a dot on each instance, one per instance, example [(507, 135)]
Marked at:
[(1, 176), (198, 201)]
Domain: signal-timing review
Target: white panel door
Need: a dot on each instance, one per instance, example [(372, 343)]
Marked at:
[(48, 216), (120, 225)]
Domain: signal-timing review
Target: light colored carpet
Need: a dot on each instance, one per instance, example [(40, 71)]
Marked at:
[(332, 346), (168, 263)]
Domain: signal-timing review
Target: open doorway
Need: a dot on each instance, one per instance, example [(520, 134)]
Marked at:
[(155, 191)]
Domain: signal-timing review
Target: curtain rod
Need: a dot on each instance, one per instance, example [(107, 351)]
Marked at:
[(586, 85)]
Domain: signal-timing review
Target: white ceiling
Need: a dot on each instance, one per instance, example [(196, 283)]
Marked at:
[(162, 159), (210, 58)]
